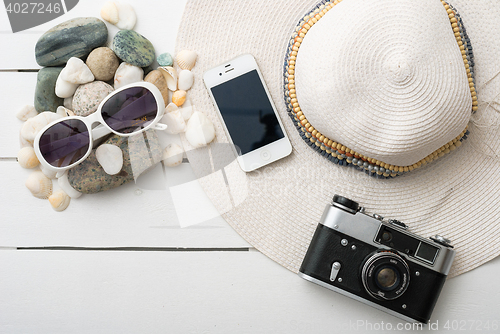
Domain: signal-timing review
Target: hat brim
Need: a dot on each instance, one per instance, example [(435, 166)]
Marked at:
[(277, 208)]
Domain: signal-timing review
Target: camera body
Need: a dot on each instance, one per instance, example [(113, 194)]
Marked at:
[(377, 262)]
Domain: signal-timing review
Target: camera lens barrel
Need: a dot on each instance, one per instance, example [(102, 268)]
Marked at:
[(385, 275)]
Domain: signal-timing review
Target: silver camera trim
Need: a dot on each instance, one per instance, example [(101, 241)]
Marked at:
[(365, 228)]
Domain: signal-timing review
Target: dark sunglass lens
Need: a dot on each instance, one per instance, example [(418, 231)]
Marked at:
[(130, 110), (64, 143)]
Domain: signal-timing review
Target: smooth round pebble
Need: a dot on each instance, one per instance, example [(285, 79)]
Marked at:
[(45, 91), (103, 63), (110, 157), (186, 80), (127, 74), (165, 59), (73, 38), (133, 48), (200, 130), (156, 78), (87, 97), (172, 155)]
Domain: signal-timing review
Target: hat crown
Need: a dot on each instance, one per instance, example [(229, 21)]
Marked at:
[(385, 78)]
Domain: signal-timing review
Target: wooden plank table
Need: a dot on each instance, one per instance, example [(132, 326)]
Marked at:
[(126, 261)]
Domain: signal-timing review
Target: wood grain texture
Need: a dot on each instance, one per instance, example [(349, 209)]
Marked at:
[(140, 214), (197, 292)]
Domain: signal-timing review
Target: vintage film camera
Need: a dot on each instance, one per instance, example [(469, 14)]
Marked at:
[(377, 262)]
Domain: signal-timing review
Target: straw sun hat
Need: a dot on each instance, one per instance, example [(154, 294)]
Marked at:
[(392, 103)]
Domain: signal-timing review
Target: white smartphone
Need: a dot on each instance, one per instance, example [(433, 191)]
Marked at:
[(247, 112)]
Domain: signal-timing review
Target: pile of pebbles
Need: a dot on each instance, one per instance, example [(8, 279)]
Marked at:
[(78, 72)]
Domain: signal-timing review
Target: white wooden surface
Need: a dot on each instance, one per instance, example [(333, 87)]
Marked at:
[(120, 261)]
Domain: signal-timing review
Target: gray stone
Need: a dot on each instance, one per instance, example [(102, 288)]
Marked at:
[(45, 91), (133, 48), (140, 153), (73, 38)]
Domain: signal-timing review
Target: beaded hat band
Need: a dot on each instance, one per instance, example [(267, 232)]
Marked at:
[(338, 152)]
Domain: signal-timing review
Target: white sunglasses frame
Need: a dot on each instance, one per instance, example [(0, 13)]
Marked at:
[(103, 129)]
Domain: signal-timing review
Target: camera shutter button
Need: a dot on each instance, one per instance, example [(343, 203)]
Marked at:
[(335, 270)]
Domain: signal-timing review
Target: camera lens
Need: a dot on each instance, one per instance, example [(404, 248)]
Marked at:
[(385, 275), (387, 278)]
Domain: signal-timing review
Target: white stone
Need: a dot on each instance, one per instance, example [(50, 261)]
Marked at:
[(76, 72), (200, 130), (185, 80), (65, 89), (174, 121), (172, 155), (110, 157), (127, 74), (126, 16), (171, 107), (68, 103)]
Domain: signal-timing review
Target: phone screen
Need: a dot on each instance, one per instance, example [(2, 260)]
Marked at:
[(247, 112)]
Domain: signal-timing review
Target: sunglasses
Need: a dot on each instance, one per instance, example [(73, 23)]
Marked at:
[(127, 111)]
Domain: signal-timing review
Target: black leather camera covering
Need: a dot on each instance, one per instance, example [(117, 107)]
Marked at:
[(326, 248)]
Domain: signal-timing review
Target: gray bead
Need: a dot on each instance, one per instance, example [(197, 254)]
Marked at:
[(355, 161)]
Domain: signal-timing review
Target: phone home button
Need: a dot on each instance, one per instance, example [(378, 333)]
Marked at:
[(265, 155)]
